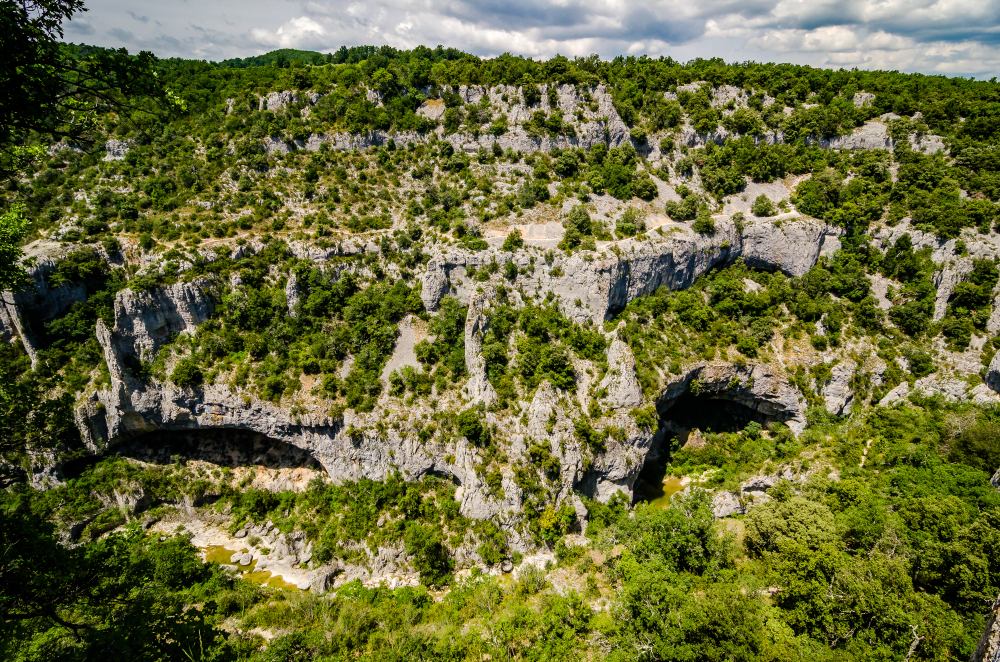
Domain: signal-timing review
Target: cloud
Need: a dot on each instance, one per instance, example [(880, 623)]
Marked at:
[(80, 28), (301, 32), (121, 35), (934, 36)]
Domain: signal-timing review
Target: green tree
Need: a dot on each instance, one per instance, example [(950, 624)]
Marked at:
[(762, 206), (56, 90)]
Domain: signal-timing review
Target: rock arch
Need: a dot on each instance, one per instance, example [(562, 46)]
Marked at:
[(760, 387)]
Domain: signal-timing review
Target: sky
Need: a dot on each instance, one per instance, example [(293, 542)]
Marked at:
[(949, 37)]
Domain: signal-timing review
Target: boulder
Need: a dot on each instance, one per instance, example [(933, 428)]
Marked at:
[(726, 504)]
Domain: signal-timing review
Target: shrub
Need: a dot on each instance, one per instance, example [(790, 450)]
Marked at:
[(704, 224), (187, 374), (762, 206), (630, 223), (470, 428), (513, 241), (797, 520)]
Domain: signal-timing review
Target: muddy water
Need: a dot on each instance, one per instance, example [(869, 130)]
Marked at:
[(221, 555), (671, 486)]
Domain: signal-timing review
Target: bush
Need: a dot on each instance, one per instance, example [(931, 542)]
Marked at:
[(470, 428), (762, 207), (798, 520), (430, 555), (978, 446), (630, 223), (187, 374), (704, 224), (513, 241)]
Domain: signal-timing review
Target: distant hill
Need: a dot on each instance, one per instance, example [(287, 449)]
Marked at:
[(343, 55), (283, 56)]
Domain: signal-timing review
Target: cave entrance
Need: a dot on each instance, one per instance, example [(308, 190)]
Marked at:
[(263, 462), (709, 414), (679, 417), (221, 447)]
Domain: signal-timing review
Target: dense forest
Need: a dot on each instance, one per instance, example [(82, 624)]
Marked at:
[(293, 206)]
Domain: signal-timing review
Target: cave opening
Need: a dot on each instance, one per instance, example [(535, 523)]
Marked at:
[(220, 447), (678, 419), (709, 414)]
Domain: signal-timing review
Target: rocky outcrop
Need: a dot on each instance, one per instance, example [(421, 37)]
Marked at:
[(951, 389), (621, 272), (620, 383), (988, 649), (292, 294), (360, 445), (277, 100), (993, 373), (837, 393), (759, 386), (146, 319), (477, 323), (872, 135), (117, 149), (27, 310), (602, 125)]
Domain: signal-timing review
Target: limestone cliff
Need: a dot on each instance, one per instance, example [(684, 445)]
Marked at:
[(628, 269)]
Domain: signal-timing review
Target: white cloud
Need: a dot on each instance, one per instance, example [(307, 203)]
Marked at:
[(297, 33)]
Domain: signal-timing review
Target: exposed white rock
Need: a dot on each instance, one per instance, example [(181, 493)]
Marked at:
[(277, 100), (292, 294), (726, 504), (477, 323), (952, 389), (862, 99), (621, 384), (117, 149), (148, 318), (674, 260), (988, 648), (993, 373), (837, 392)]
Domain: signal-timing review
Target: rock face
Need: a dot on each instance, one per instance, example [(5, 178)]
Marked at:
[(993, 373), (988, 649), (759, 386), (674, 260), (602, 125), (147, 319), (837, 393), (117, 149), (950, 388), (621, 384), (278, 100), (477, 323), (26, 312), (292, 293)]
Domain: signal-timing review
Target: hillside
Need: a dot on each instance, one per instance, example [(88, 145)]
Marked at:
[(423, 333)]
